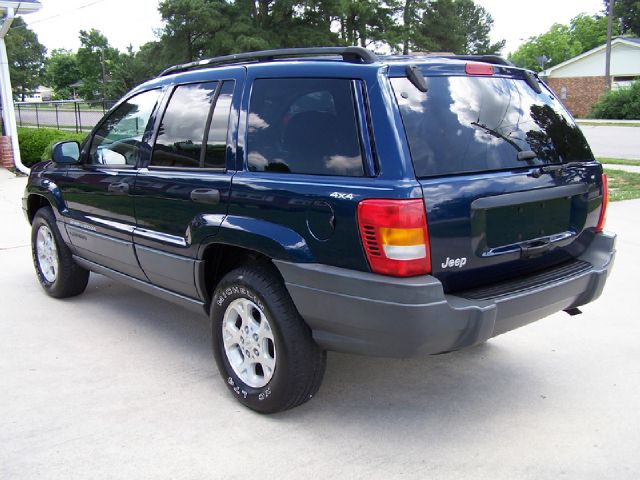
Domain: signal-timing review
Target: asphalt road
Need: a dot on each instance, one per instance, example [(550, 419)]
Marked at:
[(62, 118), (118, 384), (613, 142)]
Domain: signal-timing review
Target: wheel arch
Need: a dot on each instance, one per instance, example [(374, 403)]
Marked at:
[(34, 203), (219, 258), (240, 240), (43, 193)]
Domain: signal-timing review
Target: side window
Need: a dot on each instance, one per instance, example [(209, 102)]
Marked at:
[(303, 125), (181, 133), (217, 136), (119, 140)]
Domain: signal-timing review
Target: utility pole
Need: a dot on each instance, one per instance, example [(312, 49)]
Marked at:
[(104, 75), (607, 67)]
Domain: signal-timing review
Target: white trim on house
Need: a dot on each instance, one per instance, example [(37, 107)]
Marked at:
[(615, 41), (21, 7), (8, 11)]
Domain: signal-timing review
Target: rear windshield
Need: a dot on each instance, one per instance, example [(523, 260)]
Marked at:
[(471, 124)]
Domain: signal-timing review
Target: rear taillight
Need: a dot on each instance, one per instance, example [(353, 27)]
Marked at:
[(395, 237), (605, 204), (478, 69)]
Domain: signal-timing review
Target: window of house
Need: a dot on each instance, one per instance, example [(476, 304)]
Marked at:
[(563, 93)]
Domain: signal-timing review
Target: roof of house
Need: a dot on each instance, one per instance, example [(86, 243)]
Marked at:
[(632, 41), (20, 7)]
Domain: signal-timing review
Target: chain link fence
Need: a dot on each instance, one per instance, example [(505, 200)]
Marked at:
[(77, 115)]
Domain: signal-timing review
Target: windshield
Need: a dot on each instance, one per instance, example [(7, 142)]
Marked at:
[(470, 124)]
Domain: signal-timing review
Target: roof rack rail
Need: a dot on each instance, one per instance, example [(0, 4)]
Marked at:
[(494, 59), (349, 54)]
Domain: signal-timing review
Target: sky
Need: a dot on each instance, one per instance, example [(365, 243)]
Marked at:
[(133, 22)]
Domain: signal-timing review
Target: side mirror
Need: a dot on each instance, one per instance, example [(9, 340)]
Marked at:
[(66, 152)]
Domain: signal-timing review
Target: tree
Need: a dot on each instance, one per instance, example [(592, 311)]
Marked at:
[(95, 61), (123, 70), (364, 22), (546, 50), (149, 61), (562, 42), (628, 11), (192, 26), (202, 28), (411, 13), (26, 58), (199, 28), (589, 31), (457, 26), (61, 72)]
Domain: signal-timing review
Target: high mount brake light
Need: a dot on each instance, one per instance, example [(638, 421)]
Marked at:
[(395, 237), (478, 69), (605, 204)]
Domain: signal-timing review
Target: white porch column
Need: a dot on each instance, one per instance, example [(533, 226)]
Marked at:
[(8, 113)]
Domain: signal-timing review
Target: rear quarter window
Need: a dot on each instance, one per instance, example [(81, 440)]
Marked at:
[(471, 124), (303, 125)]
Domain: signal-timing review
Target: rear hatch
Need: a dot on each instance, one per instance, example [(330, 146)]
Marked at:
[(510, 185)]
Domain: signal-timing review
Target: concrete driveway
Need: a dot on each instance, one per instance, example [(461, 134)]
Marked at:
[(118, 384)]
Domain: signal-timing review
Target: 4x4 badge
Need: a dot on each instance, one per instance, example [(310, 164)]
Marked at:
[(343, 196)]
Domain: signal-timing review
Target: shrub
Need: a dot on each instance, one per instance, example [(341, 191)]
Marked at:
[(620, 104), (36, 143)]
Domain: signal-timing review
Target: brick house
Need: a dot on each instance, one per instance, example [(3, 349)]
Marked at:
[(580, 81)]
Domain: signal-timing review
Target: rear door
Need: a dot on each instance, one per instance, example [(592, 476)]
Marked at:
[(187, 180), (509, 182)]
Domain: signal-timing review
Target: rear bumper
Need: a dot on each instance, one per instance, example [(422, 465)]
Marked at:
[(365, 313)]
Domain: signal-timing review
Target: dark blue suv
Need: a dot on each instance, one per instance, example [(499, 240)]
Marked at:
[(330, 199)]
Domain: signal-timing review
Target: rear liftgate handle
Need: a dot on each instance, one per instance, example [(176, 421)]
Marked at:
[(534, 248)]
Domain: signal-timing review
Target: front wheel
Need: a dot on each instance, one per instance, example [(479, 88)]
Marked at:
[(263, 348), (57, 272)]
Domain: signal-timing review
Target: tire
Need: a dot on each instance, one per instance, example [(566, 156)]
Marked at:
[(56, 270), (276, 365)]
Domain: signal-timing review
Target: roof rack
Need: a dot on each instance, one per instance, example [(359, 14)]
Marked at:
[(349, 54), (494, 59)]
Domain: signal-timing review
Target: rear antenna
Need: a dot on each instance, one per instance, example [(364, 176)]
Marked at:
[(416, 78)]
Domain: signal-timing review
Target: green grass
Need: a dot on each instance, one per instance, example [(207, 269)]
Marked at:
[(587, 123), (618, 161), (623, 185)]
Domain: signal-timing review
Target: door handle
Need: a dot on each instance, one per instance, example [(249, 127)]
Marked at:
[(210, 196)]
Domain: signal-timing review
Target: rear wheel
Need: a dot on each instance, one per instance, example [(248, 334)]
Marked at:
[(57, 272), (263, 348)]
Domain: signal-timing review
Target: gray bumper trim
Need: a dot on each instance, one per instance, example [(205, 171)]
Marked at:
[(365, 313)]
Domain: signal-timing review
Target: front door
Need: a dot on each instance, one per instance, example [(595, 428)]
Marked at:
[(182, 194), (100, 218)]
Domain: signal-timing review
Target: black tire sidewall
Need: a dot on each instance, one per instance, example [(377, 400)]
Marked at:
[(275, 393)]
